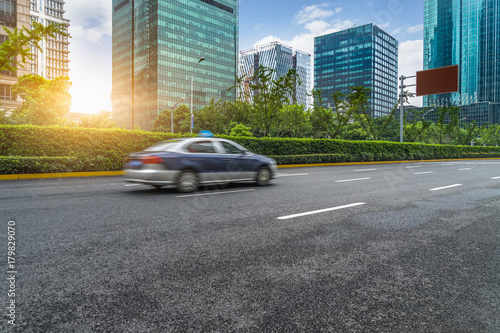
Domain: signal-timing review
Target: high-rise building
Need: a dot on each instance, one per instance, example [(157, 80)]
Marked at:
[(280, 58), (157, 46), (53, 60), (466, 33), (13, 14), (360, 56)]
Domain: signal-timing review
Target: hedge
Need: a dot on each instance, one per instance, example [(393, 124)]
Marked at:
[(87, 149)]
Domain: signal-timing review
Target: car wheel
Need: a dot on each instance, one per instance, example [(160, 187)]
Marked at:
[(157, 186), (263, 176), (188, 181)]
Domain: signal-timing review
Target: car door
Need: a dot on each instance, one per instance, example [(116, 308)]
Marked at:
[(239, 165), (204, 158)]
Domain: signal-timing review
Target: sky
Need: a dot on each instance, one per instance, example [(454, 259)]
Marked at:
[(293, 22)]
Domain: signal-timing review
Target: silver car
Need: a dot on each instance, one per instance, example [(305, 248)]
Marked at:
[(187, 163)]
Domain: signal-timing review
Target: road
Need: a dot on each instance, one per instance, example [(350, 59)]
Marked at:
[(410, 247)]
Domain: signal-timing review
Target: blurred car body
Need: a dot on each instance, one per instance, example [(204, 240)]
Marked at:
[(187, 163)]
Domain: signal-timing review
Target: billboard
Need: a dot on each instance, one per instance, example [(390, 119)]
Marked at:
[(437, 81)]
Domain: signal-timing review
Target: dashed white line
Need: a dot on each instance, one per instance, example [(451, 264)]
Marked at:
[(213, 193), (320, 211), (413, 166), (423, 172), (359, 170), (495, 177), (351, 180), (463, 169), (291, 174), (445, 187)]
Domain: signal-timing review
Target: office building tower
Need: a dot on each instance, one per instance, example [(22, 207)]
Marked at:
[(280, 58), (13, 14), (52, 61), (360, 56), (465, 33), (157, 46)]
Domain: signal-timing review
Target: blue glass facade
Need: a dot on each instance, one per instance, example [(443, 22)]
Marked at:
[(465, 33), (160, 42), (361, 56), (281, 58)]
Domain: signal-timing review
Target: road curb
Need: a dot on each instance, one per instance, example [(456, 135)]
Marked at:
[(120, 173)]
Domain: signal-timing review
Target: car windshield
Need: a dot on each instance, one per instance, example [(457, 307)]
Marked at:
[(162, 146)]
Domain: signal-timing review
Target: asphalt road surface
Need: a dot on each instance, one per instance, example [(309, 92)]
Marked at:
[(411, 247)]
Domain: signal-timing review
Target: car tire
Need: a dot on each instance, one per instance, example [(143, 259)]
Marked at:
[(263, 176), (157, 186), (188, 181)]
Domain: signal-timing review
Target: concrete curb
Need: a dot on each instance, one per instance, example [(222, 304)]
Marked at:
[(120, 173)]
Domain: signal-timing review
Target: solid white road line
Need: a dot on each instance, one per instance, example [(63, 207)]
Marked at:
[(320, 211), (444, 187), (291, 174), (423, 172), (351, 180), (213, 193)]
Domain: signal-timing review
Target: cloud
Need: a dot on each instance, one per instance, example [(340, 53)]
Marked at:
[(410, 60), (90, 20), (415, 28), (313, 12)]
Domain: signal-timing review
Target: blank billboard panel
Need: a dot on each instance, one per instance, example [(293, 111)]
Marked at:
[(437, 81)]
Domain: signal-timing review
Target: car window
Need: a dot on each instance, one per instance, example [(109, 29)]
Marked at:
[(230, 148), (162, 146), (201, 147)]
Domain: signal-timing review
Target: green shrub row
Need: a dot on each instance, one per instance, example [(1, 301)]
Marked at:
[(25, 164), (87, 149)]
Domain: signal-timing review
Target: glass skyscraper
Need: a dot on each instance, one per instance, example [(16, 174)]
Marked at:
[(465, 33), (281, 58), (361, 56), (156, 46)]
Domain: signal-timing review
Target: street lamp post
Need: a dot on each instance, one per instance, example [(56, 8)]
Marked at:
[(192, 75), (172, 115)]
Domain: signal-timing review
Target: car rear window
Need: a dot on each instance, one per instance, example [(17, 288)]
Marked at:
[(162, 146)]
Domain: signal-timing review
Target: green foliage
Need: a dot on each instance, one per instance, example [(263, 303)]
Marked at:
[(101, 120), (44, 101), (241, 130), (20, 41), (89, 149), (182, 120), (36, 164)]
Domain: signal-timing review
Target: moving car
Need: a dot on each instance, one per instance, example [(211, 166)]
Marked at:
[(187, 163)]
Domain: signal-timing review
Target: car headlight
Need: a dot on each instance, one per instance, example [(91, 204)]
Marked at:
[(273, 162)]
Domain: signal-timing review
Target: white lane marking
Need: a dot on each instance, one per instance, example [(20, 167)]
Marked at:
[(423, 172), (214, 193), (444, 187), (495, 177), (351, 180), (133, 184), (413, 166), (463, 169), (447, 164), (291, 174), (359, 170), (320, 211)]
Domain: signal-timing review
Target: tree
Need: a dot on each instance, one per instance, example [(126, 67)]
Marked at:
[(101, 120), (182, 120), (241, 130), (20, 41), (293, 121), (319, 117), (270, 95), (44, 101)]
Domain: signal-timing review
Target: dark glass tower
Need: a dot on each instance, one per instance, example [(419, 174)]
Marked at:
[(160, 42), (360, 56)]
